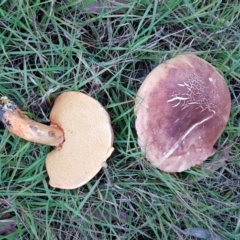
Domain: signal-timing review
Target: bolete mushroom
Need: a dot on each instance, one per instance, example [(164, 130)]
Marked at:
[(182, 107), (80, 129)]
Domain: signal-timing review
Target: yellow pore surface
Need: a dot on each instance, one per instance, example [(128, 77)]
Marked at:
[(88, 140)]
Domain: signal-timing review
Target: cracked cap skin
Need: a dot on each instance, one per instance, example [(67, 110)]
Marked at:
[(182, 108)]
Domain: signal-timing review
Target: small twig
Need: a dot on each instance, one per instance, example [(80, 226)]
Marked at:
[(199, 233)]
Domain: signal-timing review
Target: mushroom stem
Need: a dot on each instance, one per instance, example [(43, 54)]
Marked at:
[(22, 126)]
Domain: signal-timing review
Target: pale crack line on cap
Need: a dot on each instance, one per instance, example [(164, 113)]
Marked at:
[(175, 146)]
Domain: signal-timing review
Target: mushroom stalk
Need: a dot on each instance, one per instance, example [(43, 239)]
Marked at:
[(22, 126)]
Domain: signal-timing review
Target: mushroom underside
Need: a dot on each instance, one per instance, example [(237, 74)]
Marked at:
[(88, 140)]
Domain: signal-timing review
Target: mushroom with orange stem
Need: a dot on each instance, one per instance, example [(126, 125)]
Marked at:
[(80, 129), (182, 107)]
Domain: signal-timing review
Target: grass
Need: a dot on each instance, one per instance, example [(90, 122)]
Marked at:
[(48, 47)]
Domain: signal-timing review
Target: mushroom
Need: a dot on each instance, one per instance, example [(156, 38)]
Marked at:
[(182, 107), (80, 129)]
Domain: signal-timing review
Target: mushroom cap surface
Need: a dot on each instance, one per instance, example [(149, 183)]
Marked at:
[(182, 108), (88, 140)]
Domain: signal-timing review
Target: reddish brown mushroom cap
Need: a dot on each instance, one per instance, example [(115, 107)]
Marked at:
[(182, 108)]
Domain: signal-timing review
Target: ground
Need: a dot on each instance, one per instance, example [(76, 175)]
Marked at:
[(49, 47)]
